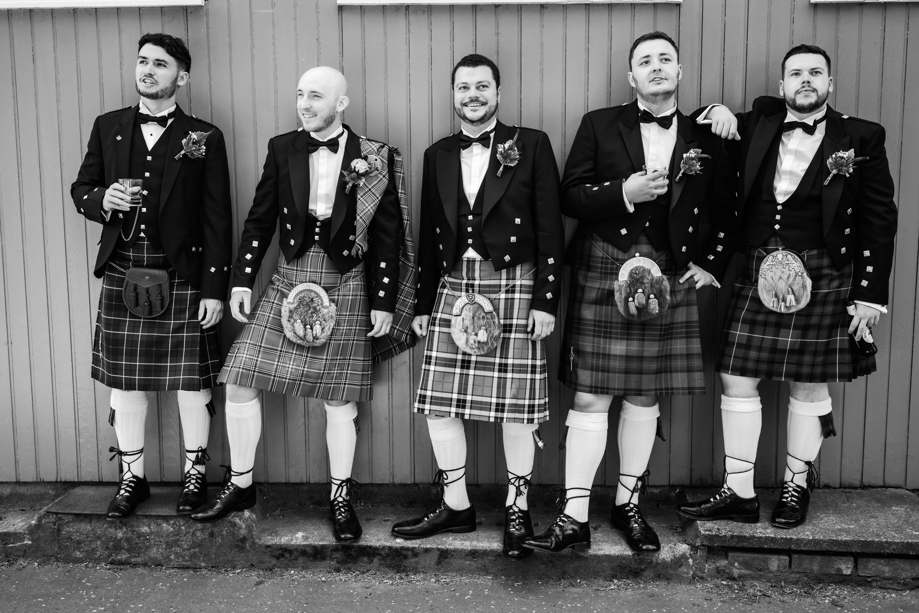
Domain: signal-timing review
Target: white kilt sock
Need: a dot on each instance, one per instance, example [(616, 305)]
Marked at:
[(341, 441), (196, 424), (805, 435), (130, 419), (519, 453), (448, 439), (244, 427), (741, 422), (637, 429), (585, 445)]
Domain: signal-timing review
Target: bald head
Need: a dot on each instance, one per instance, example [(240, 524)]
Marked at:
[(321, 98)]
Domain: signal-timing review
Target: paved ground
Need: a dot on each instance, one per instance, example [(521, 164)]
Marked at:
[(32, 588)]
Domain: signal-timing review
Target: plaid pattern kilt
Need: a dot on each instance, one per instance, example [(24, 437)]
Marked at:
[(810, 345), (340, 369), (605, 353), (168, 352), (505, 385)]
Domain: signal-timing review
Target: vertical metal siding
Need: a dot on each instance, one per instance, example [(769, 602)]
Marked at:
[(66, 66)]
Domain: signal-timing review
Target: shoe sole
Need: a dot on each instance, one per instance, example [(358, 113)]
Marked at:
[(784, 526), (741, 519), (456, 530), (575, 547), (216, 517)]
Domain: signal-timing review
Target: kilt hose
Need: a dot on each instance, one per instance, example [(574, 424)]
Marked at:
[(605, 353), (507, 385), (810, 345), (262, 357), (168, 352)]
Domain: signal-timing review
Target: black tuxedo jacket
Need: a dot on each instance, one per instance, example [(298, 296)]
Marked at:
[(282, 201), (859, 215), (521, 221), (607, 149), (195, 219)]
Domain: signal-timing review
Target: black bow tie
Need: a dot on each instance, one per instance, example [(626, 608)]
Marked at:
[(313, 144), (664, 121), (483, 139), (810, 128), (162, 120)]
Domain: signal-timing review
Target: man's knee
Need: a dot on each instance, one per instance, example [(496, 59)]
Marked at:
[(735, 386), (335, 403), (809, 392), (240, 394), (641, 401), (591, 403)]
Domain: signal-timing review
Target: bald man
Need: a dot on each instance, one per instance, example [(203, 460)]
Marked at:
[(338, 200)]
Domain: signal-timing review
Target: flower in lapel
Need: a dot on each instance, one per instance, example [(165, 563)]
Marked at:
[(842, 163), (691, 164), (360, 168), (508, 153), (193, 145)]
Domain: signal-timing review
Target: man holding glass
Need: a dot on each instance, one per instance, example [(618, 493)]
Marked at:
[(157, 181)]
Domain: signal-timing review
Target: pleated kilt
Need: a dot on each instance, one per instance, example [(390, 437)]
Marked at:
[(340, 369), (605, 353), (506, 385), (168, 352), (810, 345)]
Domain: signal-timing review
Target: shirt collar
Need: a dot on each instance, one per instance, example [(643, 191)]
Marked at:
[(338, 136), (671, 111), (491, 126), (808, 119), (145, 110)]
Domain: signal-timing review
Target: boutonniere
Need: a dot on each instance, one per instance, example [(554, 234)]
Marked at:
[(360, 168), (691, 164), (193, 145), (842, 163), (508, 153)]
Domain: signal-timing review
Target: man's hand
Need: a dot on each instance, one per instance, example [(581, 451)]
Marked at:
[(420, 324), (382, 322), (723, 122), (863, 318), (240, 305), (210, 312), (700, 276), (645, 186), (118, 197), (540, 324)]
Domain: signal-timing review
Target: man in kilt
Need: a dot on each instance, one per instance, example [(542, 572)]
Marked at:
[(178, 224), (338, 200), (646, 184), (490, 250), (817, 197)]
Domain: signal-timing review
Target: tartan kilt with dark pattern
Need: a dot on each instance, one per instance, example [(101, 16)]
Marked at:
[(262, 357), (507, 385), (810, 345), (605, 353), (168, 352)]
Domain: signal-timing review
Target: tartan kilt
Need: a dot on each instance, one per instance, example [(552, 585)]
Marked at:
[(810, 345), (262, 357), (168, 352), (507, 385), (605, 353)]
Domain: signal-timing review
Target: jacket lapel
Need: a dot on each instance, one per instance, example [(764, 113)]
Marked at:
[(683, 137), (448, 174), (630, 131), (834, 139), (345, 200), (180, 127), (494, 185), (760, 142), (122, 138), (298, 166)]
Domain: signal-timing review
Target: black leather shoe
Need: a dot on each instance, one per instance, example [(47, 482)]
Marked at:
[(345, 526), (791, 509), (132, 491), (725, 504), (230, 498), (517, 528), (640, 536), (564, 532), (194, 492), (438, 520)]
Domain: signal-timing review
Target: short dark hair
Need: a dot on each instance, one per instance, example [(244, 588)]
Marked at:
[(471, 61), (801, 49), (655, 35), (173, 45)]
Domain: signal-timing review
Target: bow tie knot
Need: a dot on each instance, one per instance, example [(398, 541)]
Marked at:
[(809, 128), (162, 120), (483, 139), (313, 144), (664, 121)]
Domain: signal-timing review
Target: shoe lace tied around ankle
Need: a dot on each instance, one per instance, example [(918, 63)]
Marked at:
[(228, 480), (641, 484), (127, 476), (200, 457), (442, 479), (345, 491)]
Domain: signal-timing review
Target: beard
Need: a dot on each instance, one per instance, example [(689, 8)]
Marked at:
[(808, 107), (319, 122), (490, 111), (166, 91)]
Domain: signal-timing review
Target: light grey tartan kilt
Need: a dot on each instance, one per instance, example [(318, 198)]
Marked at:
[(168, 352), (810, 345), (505, 385), (605, 353), (340, 369)]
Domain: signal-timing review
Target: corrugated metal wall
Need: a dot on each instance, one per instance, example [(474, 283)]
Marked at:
[(63, 67)]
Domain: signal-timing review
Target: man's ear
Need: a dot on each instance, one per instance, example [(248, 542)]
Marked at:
[(183, 78), (342, 104), (631, 79), (781, 88)]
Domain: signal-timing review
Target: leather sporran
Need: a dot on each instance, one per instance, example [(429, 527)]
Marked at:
[(783, 283), (146, 291), (475, 326), (642, 292), (307, 315)]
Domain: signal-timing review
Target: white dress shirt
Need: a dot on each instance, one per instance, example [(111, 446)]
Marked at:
[(153, 131), (796, 151), (473, 166), (325, 172), (657, 144)]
